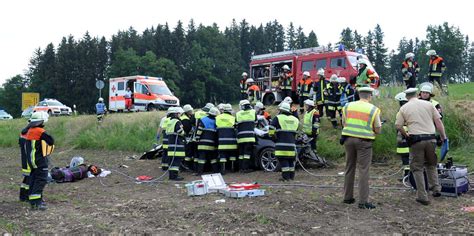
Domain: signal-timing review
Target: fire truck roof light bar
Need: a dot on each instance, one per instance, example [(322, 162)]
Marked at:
[(295, 52)]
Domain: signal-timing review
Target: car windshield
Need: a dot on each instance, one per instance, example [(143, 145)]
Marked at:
[(159, 89), (3, 113), (54, 103)]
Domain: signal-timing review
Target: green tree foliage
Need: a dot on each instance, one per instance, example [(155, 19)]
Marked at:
[(347, 39), (312, 40), (380, 53), (10, 94)]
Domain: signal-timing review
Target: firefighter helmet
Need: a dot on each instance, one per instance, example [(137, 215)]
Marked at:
[(309, 102), (427, 88), (401, 97), (207, 107), (284, 107), (228, 108), (244, 74), (341, 80), (259, 105), (101, 100), (220, 107), (286, 67), (431, 52), (306, 73), (321, 72), (213, 111), (249, 81), (179, 110), (187, 108), (333, 78), (39, 116), (409, 55), (362, 61), (288, 100), (244, 102)]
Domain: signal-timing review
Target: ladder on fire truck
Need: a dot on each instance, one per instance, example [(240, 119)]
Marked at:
[(295, 52)]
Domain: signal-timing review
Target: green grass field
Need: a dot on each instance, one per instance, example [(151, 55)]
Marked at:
[(136, 131)]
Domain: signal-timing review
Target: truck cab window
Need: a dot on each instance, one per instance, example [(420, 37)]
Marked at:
[(321, 64), (307, 65), (338, 62)]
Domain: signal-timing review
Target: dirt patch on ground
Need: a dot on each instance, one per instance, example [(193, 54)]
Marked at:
[(116, 204)]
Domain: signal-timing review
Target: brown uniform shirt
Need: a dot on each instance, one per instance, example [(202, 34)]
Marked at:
[(418, 115)]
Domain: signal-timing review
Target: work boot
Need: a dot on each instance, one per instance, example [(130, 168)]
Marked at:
[(177, 178), (334, 124), (223, 169), (349, 201), (215, 168), (39, 206), (436, 194), (292, 175), (423, 202), (200, 169), (367, 205)]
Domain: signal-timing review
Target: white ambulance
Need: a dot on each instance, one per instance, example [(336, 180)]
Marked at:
[(148, 93)]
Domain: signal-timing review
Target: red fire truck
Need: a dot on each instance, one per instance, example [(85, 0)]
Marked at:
[(266, 69)]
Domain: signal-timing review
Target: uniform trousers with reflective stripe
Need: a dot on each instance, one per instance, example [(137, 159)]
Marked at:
[(321, 109), (358, 153), (424, 157), (164, 159), (287, 167), (410, 83), (245, 152), (174, 164), (331, 110), (38, 180), (224, 156), (302, 99), (432, 79), (207, 156), (190, 154), (25, 187)]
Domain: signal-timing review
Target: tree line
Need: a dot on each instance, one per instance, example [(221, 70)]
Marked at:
[(203, 63)]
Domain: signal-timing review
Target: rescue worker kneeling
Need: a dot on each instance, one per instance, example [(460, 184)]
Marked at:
[(35, 146), (206, 136), (227, 148), (283, 128), (311, 122), (176, 140)]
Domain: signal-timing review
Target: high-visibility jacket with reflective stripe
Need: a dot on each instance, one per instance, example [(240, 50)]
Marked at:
[(318, 88), (334, 91), (207, 134), (243, 86), (365, 77), (402, 145), (437, 67), (38, 145), (284, 127), (175, 134), (188, 123), (164, 126), (304, 87), (410, 66), (225, 124), (359, 120), (254, 94), (25, 168), (286, 83), (311, 122), (246, 125)]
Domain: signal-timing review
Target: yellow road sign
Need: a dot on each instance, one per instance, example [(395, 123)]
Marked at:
[(29, 99)]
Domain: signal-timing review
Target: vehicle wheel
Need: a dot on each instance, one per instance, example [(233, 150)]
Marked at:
[(50, 113), (267, 160), (150, 107), (269, 99)]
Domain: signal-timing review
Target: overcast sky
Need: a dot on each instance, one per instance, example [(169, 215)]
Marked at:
[(29, 24)]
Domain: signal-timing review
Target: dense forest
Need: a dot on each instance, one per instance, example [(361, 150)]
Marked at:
[(203, 63)]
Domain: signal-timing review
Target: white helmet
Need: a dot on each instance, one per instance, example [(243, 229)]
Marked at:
[(220, 107), (213, 111), (401, 97), (101, 100), (426, 88), (249, 80), (333, 78), (208, 106), (362, 61), (228, 108), (309, 102), (244, 102), (259, 105), (341, 80), (431, 52), (321, 72), (306, 73), (288, 100), (179, 110), (244, 74), (409, 55), (170, 110), (284, 107), (187, 108), (39, 116), (286, 67)]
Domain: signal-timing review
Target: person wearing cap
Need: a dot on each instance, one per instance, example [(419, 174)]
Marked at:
[(319, 86), (436, 67), (285, 82), (426, 93), (253, 91), (246, 119), (188, 121), (163, 139), (36, 145), (283, 128), (311, 122), (243, 86), (206, 137), (410, 70), (227, 139), (361, 121), (176, 140), (100, 109), (305, 87), (422, 120), (365, 76), (402, 146), (333, 99)]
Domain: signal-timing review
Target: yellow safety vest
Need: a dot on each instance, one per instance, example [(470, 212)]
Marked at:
[(359, 117), (308, 122)]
